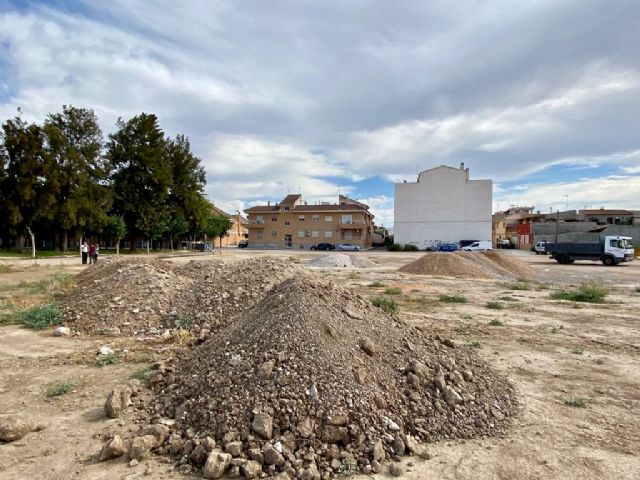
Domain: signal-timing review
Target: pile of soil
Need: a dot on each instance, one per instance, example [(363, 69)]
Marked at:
[(332, 260), (488, 265), (124, 296), (315, 381), (144, 296)]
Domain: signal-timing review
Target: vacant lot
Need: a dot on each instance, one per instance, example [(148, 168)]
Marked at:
[(576, 366)]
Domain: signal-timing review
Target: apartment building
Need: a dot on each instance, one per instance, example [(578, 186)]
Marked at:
[(238, 230), (293, 223)]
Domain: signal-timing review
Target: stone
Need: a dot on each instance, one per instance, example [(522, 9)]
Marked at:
[(451, 396), (339, 420), (266, 370), (305, 427), (378, 451), (216, 464), (233, 448), (281, 476), (105, 351), (272, 456), (133, 463), (439, 379), (376, 467), (61, 331), (395, 470), (255, 454), (425, 455), (117, 401), (367, 346), (468, 375), (263, 425), (251, 469), (411, 444), (141, 446), (234, 472), (160, 433), (332, 434), (419, 368), (112, 449), (398, 446), (13, 428), (311, 473)]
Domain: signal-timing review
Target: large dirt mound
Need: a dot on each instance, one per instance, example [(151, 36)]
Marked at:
[(133, 296), (469, 265), (315, 381)]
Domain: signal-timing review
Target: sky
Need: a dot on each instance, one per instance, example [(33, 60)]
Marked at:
[(350, 96)]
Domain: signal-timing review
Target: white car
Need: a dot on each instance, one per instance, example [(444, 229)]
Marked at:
[(348, 246), (540, 248), (475, 246)]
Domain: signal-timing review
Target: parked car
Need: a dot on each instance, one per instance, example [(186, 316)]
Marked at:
[(243, 243), (348, 246), (540, 248), (476, 246), (505, 243), (447, 247), (323, 246)]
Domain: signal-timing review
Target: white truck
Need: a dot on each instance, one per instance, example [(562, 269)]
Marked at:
[(610, 250), (475, 246)]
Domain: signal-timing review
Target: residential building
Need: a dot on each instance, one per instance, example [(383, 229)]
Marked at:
[(442, 206), (238, 230), (293, 223)]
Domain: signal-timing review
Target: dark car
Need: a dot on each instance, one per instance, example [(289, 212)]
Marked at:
[(243, 243), (323, 246), (448, 247)]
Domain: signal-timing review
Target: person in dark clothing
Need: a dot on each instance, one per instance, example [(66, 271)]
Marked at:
[(92, 253)]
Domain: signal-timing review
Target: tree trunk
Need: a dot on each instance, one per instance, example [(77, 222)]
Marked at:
[(33, 242), (118, 246), (171, 242), (65, 241), (148, 242)]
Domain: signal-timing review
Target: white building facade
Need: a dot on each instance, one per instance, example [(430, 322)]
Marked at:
[(443, 206)]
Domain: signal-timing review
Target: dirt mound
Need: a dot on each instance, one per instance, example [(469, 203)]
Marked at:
[(331, 260), (469, 265), (315, 381), (123, 296)]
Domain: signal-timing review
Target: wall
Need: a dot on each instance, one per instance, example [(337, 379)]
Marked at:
[(575, 231), (443, 206)]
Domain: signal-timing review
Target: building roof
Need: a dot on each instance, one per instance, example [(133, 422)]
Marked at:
[(222, 213), (290, 199), (348, 207), (602, 211)]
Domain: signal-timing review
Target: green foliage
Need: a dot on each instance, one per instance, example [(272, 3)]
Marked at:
[(60, 388), (557, 328), (104, 360), (577, 350), (463, 329), (475, 344), (517, 286), (376, 285), (5, 268), (143, 373), (599, 361), (496, 322), (495, 305), (182, 320), (578, 402), (387, 304), (393, 291), (591, 292), (40, 317), (410, 248), (216, 226), (452, 299), (394, 247)]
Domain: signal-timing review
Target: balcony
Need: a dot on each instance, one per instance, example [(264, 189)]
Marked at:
[(352, 225), (256, 224)]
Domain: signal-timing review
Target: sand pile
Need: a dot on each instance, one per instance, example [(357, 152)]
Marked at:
[(469, 265), (125, 296), (315, 381), (331, 260), (135, 296)]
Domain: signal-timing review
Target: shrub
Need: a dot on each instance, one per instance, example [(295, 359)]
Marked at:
[(463, 329), (410, 248), (394, 247), (495, 305), (517, 286), (40, 317), (393, 291), (453, 299), (376, 285), (475, 344), (104, 360), (183, 320), (143, 373), (579, 402), (5, 268), (386, 304), (496, 322), (60, 389), (591, 292)]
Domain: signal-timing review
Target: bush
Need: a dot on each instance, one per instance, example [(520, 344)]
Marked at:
[(376, 285), (393, 291), (386, 304), (517, 286), (591, 292), (143, 373), (394, 247), (104, 360), (410, 248), (60, 389), (40, 317), (453, 299), (496, 322), (576, 402), (183, 320), (495, 305)]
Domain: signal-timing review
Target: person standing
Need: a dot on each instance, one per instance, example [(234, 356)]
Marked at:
[(96, 252), (84, 250), (92, 253)]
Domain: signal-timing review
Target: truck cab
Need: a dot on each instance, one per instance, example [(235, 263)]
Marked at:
[(617, 249)]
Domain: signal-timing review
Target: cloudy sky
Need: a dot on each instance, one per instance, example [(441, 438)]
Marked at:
[(283, 96)]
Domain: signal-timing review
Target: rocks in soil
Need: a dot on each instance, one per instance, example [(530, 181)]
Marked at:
[(114, 448), (288, 388), (395, 470), (141, 446), (61, 332), (13, 428), (118, 400)]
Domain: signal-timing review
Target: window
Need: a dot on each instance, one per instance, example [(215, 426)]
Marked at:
[(328, 234), (274, 233), (347, 219), (315, 218), (286, 209), (301, 233), (315, 233), (259, 234), (274, 219), (328, 218), (259, 219), (287, 223), (301, 218), (348, 235)]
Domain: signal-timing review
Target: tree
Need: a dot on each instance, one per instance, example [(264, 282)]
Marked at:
[(142, 176), (29, 185), (118, 228), (216, 226), (74, 144)]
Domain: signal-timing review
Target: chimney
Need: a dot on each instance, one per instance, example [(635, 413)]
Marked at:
[(461, 165)]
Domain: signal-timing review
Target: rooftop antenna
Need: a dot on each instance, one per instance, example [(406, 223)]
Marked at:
[(566, 202)]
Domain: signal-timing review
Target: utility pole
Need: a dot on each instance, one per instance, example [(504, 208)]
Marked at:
[(566, 203), (557, 223)]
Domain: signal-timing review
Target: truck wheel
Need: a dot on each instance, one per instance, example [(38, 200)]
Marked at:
[(562, 259), (608, 261)]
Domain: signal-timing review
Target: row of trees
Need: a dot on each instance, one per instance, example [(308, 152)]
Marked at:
[(60, 181)]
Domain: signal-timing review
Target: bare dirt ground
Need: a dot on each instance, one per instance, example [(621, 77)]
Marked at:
[(553, 351)]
